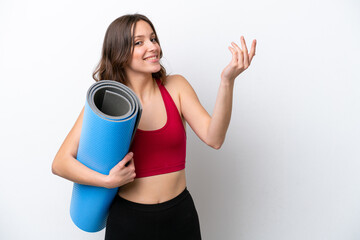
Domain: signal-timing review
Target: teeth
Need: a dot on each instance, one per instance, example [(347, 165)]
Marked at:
[(151, 58)]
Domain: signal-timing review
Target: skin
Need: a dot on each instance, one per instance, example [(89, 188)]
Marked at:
[(210, 129)]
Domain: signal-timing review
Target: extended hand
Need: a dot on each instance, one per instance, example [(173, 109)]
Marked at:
[(240, 61)]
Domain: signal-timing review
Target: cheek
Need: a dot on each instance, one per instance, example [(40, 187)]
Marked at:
[(138, 55)]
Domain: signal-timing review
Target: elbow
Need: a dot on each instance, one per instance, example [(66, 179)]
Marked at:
[(54, 168), (216, 145)]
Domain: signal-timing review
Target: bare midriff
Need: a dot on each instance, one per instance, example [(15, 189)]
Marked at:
[(154, 189)]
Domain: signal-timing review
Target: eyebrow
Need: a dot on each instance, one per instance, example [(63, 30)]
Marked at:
[(139, 36)]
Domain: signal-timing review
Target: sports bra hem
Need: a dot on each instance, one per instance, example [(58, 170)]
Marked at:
[(160, 171)]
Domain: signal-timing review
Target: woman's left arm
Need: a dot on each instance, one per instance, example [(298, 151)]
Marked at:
[(212, 129)]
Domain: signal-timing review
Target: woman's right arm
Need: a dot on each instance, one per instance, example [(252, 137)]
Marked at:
[(67, 166)]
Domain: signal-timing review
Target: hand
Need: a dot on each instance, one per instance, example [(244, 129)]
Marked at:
[(240, 60), (122, 173)]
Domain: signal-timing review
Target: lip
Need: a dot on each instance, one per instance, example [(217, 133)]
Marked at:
[(152, 60), (150, 57)]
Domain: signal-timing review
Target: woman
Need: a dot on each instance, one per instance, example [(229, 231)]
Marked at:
[(153, 201)]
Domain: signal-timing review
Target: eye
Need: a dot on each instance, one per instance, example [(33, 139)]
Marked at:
[(138, 43), (153, 40)]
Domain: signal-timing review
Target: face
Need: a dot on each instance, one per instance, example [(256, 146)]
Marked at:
[(145, 58)]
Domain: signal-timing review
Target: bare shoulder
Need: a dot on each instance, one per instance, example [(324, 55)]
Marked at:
[(176, 83)]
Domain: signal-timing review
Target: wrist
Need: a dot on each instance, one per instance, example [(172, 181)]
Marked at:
[(106, 181), (227, 82)]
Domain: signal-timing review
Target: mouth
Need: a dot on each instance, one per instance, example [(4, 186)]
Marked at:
[(151, 58)]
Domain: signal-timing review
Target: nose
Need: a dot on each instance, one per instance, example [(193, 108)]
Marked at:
[(151, 46)]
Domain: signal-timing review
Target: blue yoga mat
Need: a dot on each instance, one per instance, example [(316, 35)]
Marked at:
[(111, 116)]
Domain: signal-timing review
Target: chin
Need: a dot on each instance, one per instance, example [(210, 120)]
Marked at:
[(155, 70)]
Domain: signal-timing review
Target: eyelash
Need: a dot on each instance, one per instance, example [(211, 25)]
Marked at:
[(138, 43)]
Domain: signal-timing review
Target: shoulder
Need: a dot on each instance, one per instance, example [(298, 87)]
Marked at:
[(176, 83), (178, 88), (181, 90)]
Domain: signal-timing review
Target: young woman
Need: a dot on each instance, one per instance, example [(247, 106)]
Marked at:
[(153, 201)]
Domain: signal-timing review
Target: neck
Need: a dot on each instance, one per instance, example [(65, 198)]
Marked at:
[(143, 85)]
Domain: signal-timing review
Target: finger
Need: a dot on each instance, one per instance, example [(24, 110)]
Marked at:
[(243, 44), (235, 46), (131, 174), (234, 55), (246, 56), (131, 163), (240, 54), (128, 163), (130, 167), (252, 50), (126, 159)]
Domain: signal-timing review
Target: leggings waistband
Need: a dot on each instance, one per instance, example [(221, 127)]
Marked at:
[(157, 206)]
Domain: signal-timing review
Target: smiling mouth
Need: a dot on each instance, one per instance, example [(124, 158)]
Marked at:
[(151, 58)]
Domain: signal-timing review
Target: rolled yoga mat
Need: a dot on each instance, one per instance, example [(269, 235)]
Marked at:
[(111, 116)]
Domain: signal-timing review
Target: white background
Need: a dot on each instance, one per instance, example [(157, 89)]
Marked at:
[(289, 168)]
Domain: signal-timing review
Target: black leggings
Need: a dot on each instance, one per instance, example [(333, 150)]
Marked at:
[(173, 219)]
